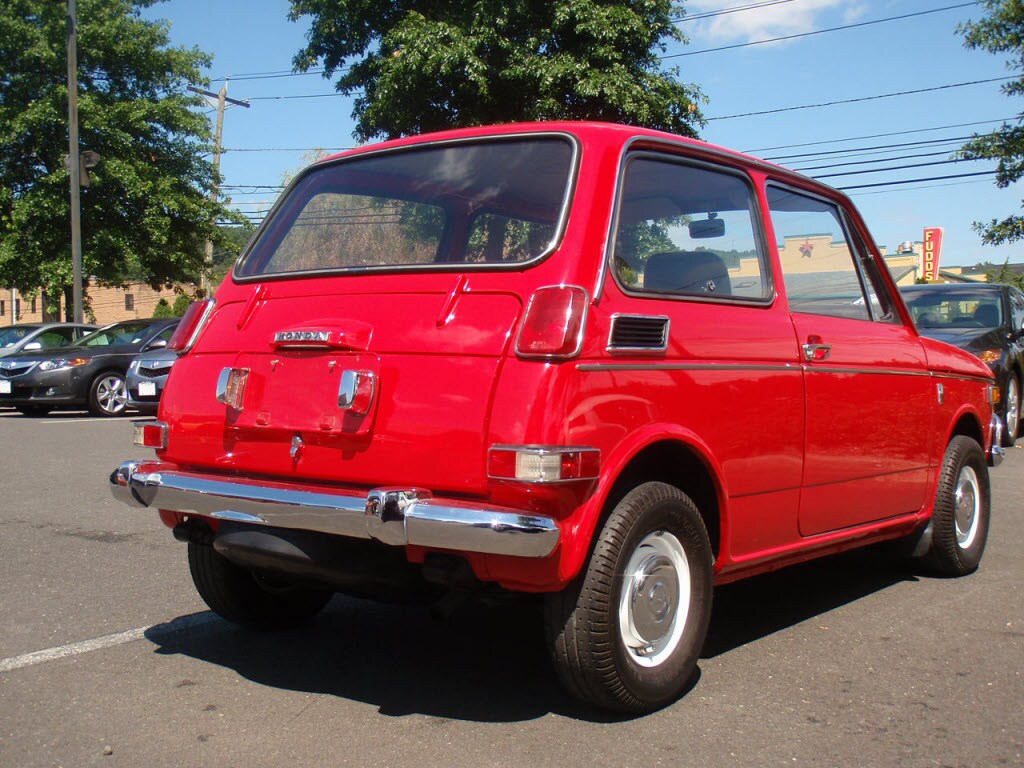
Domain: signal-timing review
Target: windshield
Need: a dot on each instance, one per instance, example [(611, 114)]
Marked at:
[(955, 309), (11, 336), (485, 203), (132, 332)]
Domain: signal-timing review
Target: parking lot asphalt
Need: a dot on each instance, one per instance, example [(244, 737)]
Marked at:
[(108, 657)]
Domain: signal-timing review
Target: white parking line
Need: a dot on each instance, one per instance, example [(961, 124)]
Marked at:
[(98, 643), (112, 420)]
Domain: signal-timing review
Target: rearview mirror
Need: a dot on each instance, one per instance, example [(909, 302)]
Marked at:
[(32, 346), (157, 344), (705, 228)]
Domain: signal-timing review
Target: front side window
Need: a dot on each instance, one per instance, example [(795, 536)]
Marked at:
[(487, 202), (688, 229), (819, 264)]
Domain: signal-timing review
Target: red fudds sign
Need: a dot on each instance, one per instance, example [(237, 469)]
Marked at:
[(932, 251)]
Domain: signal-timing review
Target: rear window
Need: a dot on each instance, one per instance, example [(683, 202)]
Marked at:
[(498, 202)]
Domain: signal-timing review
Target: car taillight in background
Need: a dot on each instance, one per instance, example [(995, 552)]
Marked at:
[(191, 325), (553, 326)]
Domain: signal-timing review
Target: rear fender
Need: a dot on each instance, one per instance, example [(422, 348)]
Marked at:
[(579, 531)]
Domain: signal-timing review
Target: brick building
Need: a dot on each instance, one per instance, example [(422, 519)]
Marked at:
[(107, 304)]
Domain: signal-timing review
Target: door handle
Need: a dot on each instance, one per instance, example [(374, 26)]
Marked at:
[(815, 351)]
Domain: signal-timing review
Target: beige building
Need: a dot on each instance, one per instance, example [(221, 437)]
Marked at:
[(106, 304)]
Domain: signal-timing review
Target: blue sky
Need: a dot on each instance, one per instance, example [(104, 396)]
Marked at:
[(275, 135)]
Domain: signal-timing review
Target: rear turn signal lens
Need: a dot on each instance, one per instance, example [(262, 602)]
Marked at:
[(540, 464), (553, 325), (231, 387), (191, 325), (150, 434)]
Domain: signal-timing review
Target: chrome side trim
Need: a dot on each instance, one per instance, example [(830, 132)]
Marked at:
[(862, 371), (393, 516), (593, 367)]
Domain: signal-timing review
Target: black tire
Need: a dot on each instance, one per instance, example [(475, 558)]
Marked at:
[(34, 410), (594, 629), (245, 598), (1011, 411), (108, 395), (962, 507)]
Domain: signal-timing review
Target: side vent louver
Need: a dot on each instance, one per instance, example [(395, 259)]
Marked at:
[(638, 332)]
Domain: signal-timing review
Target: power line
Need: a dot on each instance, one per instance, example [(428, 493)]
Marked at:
[(929, 186), (889, 168), (864, 98), (868, 162), (914, 181), (817, 31), (866, 150), (880, 135), (724, 11)]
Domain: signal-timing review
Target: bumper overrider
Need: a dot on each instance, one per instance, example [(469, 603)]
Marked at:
[(393, 516)]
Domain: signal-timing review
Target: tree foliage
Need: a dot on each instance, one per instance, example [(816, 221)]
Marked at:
[(424, 65), (146, 211), (1001, 32), (1005, 274)]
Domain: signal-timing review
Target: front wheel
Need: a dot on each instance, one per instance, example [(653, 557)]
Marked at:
[(1011, 414), (247, 598), (108, 395), (626, 635), (961, 514)]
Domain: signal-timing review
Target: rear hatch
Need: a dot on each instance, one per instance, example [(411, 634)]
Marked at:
[(385, 261)]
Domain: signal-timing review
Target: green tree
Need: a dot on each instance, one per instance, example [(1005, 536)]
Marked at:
[(163, 309), (1006, 275), (146, 211), (424, 65), (1001, 32)]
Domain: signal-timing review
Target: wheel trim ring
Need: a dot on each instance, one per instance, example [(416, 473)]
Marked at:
[(111, 394), (661, 549), (967, 503)]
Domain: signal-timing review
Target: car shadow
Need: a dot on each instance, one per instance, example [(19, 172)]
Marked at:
[(487, 663)]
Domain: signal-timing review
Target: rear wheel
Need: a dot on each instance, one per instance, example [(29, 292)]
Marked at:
[(1011, 416), (627, 633), (34, 410), (108, 395), (247, 598), (961, 515)]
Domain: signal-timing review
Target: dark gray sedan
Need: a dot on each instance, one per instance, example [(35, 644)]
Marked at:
[(90, 373)]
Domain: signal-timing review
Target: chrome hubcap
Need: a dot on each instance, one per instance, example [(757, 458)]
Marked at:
[(111, 394), (655, 599), (968, 505)]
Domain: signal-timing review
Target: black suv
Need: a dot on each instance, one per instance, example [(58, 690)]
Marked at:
[(90, 373), (987, 320)]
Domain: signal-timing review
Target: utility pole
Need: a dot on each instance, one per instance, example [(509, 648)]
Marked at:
[(222, 99), (73, 161)]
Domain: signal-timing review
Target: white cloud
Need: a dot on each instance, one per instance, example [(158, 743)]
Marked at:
[(787, 18)]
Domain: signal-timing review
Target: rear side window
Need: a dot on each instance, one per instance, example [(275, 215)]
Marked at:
[(688, 229), (488, 202)]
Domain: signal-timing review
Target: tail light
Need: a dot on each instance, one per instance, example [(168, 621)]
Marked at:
[(553, 326), (543, 464), (150, 434), (191, 325)]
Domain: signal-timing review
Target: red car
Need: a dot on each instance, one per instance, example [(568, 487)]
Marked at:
[(603, 364)]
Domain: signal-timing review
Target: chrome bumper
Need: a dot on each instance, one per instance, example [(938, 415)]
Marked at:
[(996, 452), (392, 516)]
